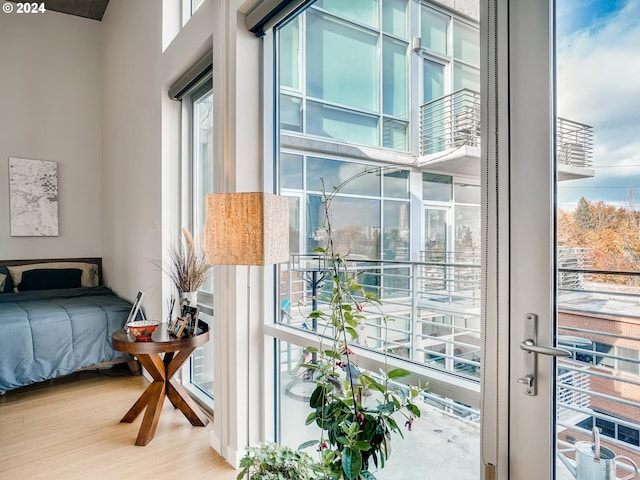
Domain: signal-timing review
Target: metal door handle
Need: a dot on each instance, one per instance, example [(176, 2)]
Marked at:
[(530, 346), (528, 380), (530, 349)]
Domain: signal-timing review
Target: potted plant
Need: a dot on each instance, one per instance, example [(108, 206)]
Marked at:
[(355, 434), (271, 461)]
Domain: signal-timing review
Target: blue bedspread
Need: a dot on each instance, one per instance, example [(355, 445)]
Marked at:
[(48, 333)]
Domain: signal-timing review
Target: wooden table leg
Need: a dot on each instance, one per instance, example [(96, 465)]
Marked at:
[(183, 401), (155, 367), (178, 396), (172, 366), (152, 414), (152, 398)]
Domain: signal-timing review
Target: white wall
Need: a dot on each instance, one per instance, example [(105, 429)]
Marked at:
[(142, 141), (131, 151), (51, 109)]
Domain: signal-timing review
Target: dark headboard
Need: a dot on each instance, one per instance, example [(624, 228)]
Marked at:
[(95, 260)]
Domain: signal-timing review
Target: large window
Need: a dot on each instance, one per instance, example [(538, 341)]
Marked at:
[(450, 47), (345, 73), (189, 7), (355, 70), (370, 210), (198, 181)]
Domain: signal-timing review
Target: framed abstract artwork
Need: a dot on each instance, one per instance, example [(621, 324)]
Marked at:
[(33, 197)]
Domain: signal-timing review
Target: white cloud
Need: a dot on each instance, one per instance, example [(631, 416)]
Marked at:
[(599, 84)]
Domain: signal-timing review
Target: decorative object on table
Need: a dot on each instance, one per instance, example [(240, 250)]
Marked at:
[(135, 309), (142, 329), (186, 268), (33, 196), (271, 461), (170, 304), (185, 325), (246, 229), (190, 314), (177, 328)]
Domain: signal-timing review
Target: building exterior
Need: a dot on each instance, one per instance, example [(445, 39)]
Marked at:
[(381, 98)]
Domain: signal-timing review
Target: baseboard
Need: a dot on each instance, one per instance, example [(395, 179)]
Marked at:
[(231, 456)]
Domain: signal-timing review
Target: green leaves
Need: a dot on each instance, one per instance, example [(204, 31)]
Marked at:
[(356, 428), (317, 397), (308, 444), (332, 354), (398, 373), (270, 460), (351, 462), (414, 409)]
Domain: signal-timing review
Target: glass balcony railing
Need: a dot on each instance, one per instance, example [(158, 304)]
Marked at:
[(453, 121)]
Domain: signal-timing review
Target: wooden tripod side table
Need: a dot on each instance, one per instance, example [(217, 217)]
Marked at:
[(176, 352)]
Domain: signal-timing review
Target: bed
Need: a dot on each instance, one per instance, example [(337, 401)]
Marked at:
[(56, 317)]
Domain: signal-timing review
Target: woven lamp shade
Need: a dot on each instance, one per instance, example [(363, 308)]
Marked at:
[(246, 229)]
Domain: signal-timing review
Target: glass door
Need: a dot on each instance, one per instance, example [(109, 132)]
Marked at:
[(531, 241), (573, 316), (598, 387), (435, 233), (520, 328)]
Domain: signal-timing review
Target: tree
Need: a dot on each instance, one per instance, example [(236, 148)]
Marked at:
[(611, 235), (583, 215)]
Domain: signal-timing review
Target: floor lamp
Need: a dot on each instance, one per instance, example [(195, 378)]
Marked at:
[(246, 229)]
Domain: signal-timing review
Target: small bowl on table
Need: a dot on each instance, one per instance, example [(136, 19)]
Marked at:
[(142, 329)]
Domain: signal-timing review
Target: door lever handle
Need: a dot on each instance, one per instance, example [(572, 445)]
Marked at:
[(529, 379), (530, 346)]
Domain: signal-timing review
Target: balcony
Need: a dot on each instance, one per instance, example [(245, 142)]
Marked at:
[(450, 138), (433, 316)]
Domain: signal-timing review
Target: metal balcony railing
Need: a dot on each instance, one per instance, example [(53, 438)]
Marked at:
[(574, 143), (450, 122), (575, 259), (453, 121), (432, 309)]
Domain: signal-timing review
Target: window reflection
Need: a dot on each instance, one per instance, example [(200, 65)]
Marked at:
[(334, 173), (290, 113), (396, 231), (394, 17), (363, 11), (290, 170), (355, 225), (436, 187), (332, 45), (434, 30), (290, 55), (341, 124)]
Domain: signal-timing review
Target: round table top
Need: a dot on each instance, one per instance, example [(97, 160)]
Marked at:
[(161, 342)]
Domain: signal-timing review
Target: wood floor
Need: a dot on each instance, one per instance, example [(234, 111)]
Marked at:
[(70, 429)]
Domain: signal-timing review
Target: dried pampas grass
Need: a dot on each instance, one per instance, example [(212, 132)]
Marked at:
[(187, 267)]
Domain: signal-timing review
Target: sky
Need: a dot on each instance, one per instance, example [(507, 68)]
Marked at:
[(598, 83)]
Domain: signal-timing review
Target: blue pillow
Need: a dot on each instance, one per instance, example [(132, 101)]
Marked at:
[(8, 282), (50, 278)]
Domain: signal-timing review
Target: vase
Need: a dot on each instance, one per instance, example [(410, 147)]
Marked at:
[(188, 299)]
